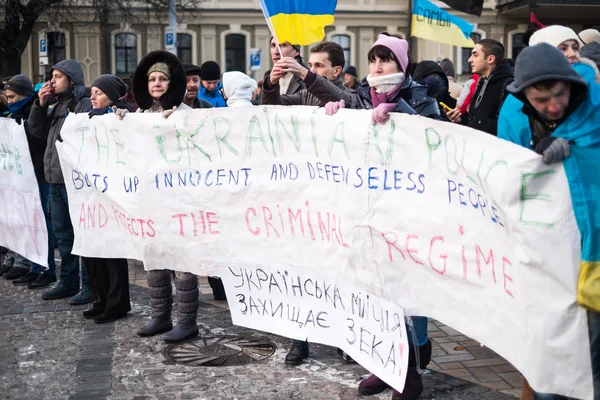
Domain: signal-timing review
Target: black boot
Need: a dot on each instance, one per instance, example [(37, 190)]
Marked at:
[(216, 284), (187, 308), (425, 354), (297, 353), (161, 300), (94, 312)]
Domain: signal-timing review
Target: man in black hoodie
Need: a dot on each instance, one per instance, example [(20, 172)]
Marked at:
[(63, 94), (487, 60), (430, 74)]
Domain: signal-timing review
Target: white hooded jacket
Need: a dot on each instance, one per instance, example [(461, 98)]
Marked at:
[(239, 89)]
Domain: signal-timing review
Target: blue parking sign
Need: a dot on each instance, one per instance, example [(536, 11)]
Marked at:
[(255, 59), (170, 39), (43, 46)]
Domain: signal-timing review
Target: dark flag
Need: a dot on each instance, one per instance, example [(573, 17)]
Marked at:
[(473, 7)]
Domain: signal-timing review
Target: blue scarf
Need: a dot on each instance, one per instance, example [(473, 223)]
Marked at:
[(18, 105)]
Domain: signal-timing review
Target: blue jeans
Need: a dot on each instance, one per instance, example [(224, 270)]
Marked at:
[(44, 197), (18, 261), (420, 324), (63, 231)]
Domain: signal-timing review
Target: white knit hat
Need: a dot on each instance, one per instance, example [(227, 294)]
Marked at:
[(589, 35), (554, 35)]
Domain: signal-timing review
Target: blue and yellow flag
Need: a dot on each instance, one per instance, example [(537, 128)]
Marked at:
[(432, 23), (299, 22)]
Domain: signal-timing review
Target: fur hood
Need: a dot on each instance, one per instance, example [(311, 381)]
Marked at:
[(173, 97), (592, 64)]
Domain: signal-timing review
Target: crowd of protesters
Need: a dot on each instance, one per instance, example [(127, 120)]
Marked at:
[(553, 84)]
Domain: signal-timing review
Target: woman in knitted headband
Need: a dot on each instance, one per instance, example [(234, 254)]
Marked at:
[(159, 82)]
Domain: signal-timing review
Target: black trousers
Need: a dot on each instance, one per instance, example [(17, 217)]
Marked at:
[(110, 280)]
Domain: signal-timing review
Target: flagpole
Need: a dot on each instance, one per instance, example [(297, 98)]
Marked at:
[(263, 7), (411, 5)]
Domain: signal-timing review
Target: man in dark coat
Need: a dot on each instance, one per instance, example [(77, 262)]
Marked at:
[(63, 94), (290, 83), (323, 81), (193, 87), (487, 60), (20, 95)]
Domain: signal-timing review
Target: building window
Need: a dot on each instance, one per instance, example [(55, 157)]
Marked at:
[(517, 44), (344, 41), (466, 54), (125, 53), (184, 48), (57, 47), (235, 52)]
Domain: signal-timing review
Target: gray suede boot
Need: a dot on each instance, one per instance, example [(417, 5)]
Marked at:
[(187, 308), (161, 300)]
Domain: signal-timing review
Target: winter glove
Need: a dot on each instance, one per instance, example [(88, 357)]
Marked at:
[(167, 113), (120, 112), (98, 111), (333, 106), (381, 114), (553, 150)]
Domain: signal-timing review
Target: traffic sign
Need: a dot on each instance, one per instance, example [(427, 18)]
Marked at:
[(255, 59), (43, 46), (171, 40)]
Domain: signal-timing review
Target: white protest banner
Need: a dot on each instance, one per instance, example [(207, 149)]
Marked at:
[(22, 222), (309, 307), (441, 220)]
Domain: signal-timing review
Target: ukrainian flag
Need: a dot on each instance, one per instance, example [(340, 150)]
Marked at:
[(299, 22), (432, 23)]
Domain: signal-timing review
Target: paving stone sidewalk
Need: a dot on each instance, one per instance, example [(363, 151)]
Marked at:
[(49, 351)]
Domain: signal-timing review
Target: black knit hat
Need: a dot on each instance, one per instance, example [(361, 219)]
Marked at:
[(191, 69), (542, 62), (210, 71), (112, 86), (173, 97), (20, 84), (352, 71)]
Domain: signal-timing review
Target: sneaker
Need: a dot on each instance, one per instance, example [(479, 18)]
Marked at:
[(85, 296), (26, 279), (15, 273), (60, 291), (44, 280)]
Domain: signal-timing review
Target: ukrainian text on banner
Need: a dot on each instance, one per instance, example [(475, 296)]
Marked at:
[(305, 305), (438, 219), (22, 221)]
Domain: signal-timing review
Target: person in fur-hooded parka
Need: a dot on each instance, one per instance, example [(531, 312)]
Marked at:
[(159, 85), (168, 64)]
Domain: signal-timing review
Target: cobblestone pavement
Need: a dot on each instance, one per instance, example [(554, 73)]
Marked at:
[(48, 351)]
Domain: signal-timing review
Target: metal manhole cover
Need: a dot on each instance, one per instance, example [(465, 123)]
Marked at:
[(219, 351)]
